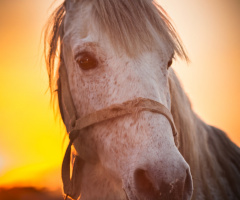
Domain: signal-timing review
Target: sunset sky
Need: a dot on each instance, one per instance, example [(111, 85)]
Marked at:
[(31, 137)]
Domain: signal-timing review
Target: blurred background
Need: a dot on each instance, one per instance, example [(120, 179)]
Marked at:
[(31, 137)]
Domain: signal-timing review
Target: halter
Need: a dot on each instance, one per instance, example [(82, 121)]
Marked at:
[(75, 126)]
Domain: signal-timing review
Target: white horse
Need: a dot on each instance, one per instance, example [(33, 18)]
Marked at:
[(116, 53)]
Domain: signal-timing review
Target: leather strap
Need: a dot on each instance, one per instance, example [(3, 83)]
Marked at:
[(75, 126), (114, 111), (129, 107), (67, 107)]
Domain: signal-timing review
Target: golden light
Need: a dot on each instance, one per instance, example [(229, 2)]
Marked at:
[(31, 139)]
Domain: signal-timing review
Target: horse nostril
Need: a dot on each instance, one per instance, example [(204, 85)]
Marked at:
[(149, 187), (188, 186), (143, 182)]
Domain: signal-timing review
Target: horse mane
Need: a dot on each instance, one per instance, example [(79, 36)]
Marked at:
[(213, 158), (134, 26)]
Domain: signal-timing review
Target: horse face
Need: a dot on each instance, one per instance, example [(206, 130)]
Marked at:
[(135, 152)]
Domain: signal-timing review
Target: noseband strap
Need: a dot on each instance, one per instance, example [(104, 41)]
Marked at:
[(75, 127), (114, 111)]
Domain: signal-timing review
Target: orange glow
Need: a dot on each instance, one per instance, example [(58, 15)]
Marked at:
[(31, 139)]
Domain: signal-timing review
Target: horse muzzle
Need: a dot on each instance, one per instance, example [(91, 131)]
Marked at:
[(153, 183)]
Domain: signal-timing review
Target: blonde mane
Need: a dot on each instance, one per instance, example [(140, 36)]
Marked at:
[(134, 26), (213, 158)]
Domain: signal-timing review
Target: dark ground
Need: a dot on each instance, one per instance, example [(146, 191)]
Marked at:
[(29, 193)]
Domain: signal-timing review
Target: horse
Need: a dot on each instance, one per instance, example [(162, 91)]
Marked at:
[(133, 133)]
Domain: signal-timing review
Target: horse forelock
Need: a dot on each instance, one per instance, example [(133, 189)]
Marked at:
[(134, 26)]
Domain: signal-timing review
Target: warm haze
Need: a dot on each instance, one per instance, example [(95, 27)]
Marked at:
[(31, 139)]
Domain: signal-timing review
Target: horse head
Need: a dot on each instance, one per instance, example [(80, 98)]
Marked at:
[(115, 51)]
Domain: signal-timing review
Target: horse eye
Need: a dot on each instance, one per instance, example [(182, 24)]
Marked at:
[(169, 63), (86, 61)]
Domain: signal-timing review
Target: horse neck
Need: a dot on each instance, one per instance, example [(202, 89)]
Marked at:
[(213, 158)]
